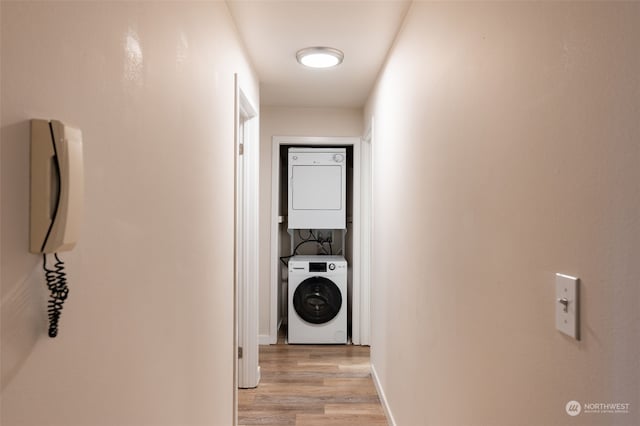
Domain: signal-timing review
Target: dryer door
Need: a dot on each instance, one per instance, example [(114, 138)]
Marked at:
[(317, 300)]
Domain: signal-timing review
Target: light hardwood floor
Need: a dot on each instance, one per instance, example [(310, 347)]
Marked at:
[(309, 385)]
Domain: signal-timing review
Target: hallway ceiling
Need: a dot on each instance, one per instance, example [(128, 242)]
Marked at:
[(273, 31)]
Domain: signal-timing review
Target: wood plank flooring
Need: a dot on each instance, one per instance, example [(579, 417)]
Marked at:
[(309, 385)]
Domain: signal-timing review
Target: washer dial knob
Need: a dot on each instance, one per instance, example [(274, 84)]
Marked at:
[(332, 266)]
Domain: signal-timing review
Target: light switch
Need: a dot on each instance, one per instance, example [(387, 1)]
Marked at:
[(567, 305)]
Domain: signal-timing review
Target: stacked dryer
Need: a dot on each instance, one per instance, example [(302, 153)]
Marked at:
[(317, 295), (317, 188)]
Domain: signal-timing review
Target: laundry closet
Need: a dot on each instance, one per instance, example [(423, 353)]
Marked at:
[(315, 252), (337, 131)]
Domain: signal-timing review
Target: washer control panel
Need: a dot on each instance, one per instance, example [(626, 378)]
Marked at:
[(317, 264)]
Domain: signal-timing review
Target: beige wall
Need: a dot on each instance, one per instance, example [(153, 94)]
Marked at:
[(281, 121), (506, 150), (146, 335)]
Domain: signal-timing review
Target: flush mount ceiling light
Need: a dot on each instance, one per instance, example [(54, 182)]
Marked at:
[(319, 57)]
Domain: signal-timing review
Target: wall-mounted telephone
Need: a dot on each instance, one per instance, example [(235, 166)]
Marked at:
[(57, 186)]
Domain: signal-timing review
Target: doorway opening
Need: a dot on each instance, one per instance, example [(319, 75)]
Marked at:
[(351, 242)]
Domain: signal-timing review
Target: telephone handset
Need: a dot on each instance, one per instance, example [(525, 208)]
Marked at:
[(57, 186)]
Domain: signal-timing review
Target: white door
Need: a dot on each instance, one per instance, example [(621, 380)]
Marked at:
[(246, 265)]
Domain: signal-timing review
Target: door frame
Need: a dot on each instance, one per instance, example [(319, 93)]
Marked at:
[(358, 315), (246, 253), (366, 185)]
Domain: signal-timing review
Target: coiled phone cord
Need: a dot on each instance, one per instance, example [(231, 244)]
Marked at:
[(57, 284)]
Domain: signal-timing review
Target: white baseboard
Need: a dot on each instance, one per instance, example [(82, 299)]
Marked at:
[(382, 396), (264, 339)]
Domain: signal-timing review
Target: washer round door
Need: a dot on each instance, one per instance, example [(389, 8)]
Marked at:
[(317, 300)]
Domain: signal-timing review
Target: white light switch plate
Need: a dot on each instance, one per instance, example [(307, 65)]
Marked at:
[(567, 318)]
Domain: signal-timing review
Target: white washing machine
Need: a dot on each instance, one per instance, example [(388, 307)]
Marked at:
[(317, 188), (317, 300)]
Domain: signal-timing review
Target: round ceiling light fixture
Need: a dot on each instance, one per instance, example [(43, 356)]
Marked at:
[(319, 57)]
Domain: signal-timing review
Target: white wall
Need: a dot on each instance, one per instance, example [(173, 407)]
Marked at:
[(506, 150), (146, 335), (282, 121)]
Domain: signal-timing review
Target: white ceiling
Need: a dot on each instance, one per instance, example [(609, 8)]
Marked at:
[(274, 30)]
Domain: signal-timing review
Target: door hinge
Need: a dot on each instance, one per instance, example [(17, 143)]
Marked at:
[(239, 351), (241, 149)]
